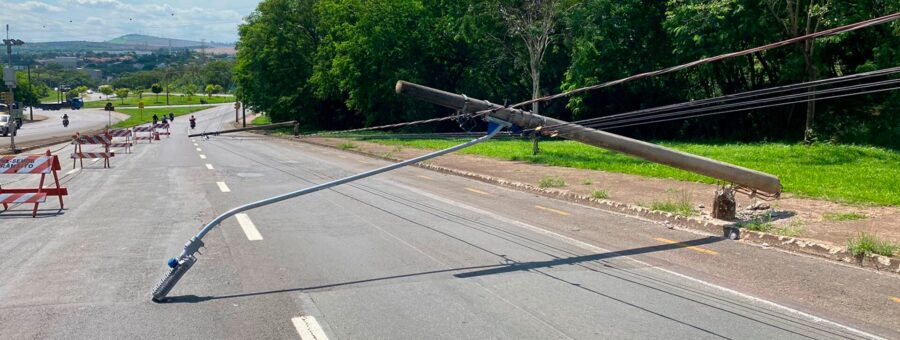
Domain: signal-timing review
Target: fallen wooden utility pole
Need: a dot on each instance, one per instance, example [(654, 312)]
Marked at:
[(752, 179), (294, 124)]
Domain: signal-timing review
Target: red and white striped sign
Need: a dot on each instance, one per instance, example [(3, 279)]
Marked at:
[(23, 198), (35, 164), (161, 126), (78, 155), (119, 133), (46, 164), (98, 139), (120, 145), (143, 129)]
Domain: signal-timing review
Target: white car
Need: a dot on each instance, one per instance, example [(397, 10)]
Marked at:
[(4, 123)]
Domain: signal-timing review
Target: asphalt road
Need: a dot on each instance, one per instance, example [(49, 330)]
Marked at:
[(410, 254), (79, 120)]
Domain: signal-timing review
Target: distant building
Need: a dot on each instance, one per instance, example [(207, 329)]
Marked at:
[(66, 62), (93, 73)]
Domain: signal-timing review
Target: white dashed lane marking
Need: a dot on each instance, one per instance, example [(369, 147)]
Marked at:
[(223, 187), (309, 328), (209, 166), (248, 227)]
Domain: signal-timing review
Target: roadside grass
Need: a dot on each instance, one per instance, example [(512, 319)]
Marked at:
[(843, 173), (151, 100), (261, 120), (551, 182), (676, 207), (793, 229), (587, 182), (866, 244), (761, 224), (600, 194), (346, 146), (136, 119), (844, 216)]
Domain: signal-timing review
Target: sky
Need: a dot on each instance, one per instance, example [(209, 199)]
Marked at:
[(101, 20)]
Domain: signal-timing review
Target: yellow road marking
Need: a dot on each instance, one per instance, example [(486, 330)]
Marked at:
[(697, 249), (425, 177), (552, 210), (478, 192), (896, 299)]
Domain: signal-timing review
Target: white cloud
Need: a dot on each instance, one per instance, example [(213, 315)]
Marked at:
[(32, 6)]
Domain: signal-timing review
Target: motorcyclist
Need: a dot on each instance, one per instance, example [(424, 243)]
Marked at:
[(65, 120), (193, 122), (155, 119), (165, 120), (171, 116)]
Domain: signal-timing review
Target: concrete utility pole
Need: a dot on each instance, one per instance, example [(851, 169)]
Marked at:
[(708, 167), (9, 77), (244, 114)]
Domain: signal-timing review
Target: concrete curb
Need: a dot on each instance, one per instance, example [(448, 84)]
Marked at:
[(707, 225)]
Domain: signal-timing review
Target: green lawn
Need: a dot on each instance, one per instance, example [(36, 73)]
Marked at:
[(150, 100), (261, 120), (136, 119), (844, 173)]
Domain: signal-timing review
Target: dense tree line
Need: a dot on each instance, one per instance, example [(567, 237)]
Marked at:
[(332, 64)]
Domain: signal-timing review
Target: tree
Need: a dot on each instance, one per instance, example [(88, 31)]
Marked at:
[(799, 18), (140, 91), (210, 89), (190, 90), (156, 89), (122, 93), (218, 89), (106, 90), (534, 22)]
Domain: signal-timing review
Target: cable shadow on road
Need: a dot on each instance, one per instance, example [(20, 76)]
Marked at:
[(525, 266), (482, 270)]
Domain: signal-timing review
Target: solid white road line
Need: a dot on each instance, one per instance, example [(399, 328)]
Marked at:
[(223, 187), (309, 328), (202, 156), (209, 166), (595, 249), (249, 228)]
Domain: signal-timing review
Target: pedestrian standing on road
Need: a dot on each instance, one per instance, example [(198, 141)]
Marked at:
[(155, 119), (171, 116), (165, 120)]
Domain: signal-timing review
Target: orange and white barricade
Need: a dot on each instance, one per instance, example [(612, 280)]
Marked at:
[(138, 130), (32, 165), (125, 134), (162, 129), (79, 155)]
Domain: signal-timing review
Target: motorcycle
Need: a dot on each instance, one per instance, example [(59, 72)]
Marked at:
[(65, 122), (193, 124)]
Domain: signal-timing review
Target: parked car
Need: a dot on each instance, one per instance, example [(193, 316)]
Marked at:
[(5, 127)]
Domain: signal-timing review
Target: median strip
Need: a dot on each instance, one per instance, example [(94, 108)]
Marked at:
[(694, 248)]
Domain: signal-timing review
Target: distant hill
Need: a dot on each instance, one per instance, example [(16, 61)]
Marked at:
[(128, 42), (146, 40)]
